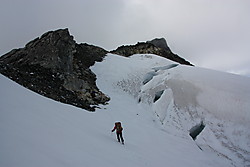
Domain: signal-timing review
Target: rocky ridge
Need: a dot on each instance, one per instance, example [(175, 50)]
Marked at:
[(55, 66), (155, 46)]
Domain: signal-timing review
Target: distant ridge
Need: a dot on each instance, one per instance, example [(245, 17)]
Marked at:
[(156, 46)]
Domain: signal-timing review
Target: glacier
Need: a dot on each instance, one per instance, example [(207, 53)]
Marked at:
[(157, 117)]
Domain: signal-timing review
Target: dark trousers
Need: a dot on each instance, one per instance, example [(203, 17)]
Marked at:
[(119, 136)]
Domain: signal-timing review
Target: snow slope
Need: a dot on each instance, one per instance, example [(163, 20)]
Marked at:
[(37, 131)]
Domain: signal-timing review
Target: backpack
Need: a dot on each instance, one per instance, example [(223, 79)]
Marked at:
[(118, 126)]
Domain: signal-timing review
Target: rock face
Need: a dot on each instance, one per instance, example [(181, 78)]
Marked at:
[(156, 46), (160, 43), (55, 66)]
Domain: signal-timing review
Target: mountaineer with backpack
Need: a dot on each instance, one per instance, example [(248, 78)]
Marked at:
[(118, 128)]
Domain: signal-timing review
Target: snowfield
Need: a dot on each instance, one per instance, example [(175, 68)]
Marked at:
[(158, 103)]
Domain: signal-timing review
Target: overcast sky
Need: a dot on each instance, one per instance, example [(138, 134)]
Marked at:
[(213, 34)]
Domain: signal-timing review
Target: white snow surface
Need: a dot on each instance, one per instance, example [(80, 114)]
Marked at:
[(37, 131)]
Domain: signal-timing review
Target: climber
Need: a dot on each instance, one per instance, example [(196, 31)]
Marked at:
[(118, 128)]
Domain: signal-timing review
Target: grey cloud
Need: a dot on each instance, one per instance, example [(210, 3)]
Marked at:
[(204, 32)]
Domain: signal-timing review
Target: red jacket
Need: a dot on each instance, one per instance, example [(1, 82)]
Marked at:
[(118, 129)]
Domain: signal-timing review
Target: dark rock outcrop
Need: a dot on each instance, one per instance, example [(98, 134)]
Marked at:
[(156, 46), (55, 66), (160, 43)]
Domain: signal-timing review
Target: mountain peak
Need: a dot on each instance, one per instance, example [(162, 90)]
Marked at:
[(160, 42), (55, 66)]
